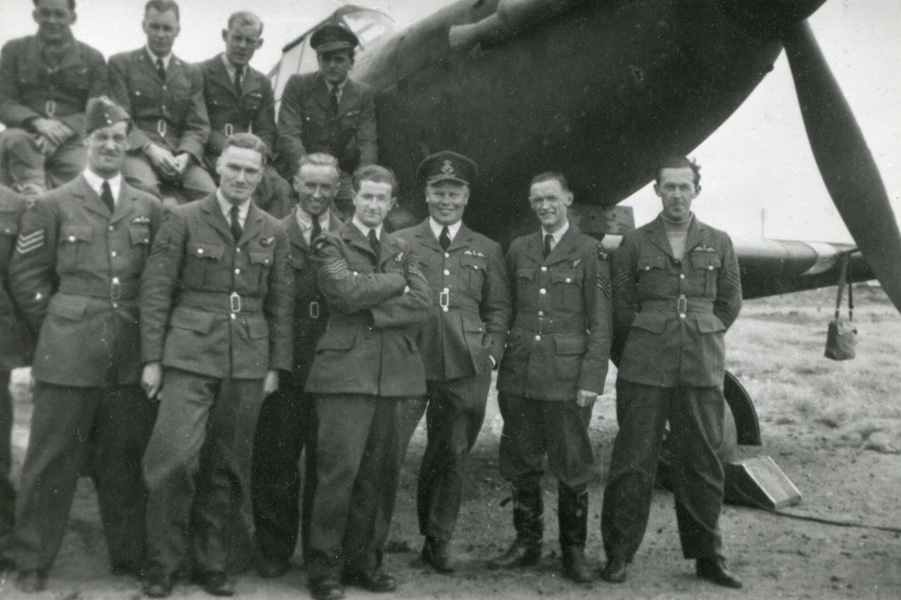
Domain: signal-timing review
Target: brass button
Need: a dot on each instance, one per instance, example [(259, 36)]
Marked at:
[(543, 269), (542, 291), (537, 338)]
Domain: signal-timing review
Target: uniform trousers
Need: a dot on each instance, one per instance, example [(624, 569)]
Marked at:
[(7, 492), (194, 183), (361, 445), (286, 428), (695, 416), (456, 410), (67, 421), (22, 162), (533, 428), (197, 468)]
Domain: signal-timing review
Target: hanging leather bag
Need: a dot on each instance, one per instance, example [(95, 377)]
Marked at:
[(841, 337)]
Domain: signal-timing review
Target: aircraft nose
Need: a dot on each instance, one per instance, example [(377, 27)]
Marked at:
[(768, 18)]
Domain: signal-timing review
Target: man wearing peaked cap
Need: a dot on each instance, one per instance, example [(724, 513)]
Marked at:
[(462, 341), (328, 111), (75, 275)]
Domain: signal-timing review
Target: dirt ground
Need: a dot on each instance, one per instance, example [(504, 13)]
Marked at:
[(833, 428)]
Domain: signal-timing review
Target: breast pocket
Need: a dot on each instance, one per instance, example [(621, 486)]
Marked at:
[(651, 274), (260, 264), (200, 262), (525, 282), (139, 236), (9, 229), (74, 247), (566, 287), (706, 268), (473, 270)]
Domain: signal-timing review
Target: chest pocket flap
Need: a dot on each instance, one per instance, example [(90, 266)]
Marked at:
[(139, 234), (528, 273), (474, 262), (566, 276), (8, 224), (705, 260), (651, 261), (262, 257), (70, 234), (206, 251)]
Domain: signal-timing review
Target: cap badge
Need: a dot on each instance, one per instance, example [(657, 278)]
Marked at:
[(447, 168)]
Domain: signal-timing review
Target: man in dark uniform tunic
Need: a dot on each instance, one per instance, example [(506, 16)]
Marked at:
[(553, 370), (328, 111), (463, 340), (239, 99), (45, 83), (367, 377), (676, 292), (216, 306), (287, 425), (164, 96), (75, 274)]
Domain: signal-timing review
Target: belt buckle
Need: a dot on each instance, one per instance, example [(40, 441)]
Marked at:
[(161, 127), (229, 129), (314, 310), (444, 298), (115, 289), (682, 305), (50, 108), (234, 302)]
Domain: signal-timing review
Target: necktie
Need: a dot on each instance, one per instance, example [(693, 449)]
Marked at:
[(238, 73), (161, 69), (106, 194), (235, 223), (444, 238), (376, 247), (333, 101), (317, 229), (547, 244)]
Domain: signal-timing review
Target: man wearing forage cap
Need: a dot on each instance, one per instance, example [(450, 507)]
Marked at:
[(75, 275)]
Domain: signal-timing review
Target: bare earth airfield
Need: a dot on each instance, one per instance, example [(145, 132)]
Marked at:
[(834, 428)]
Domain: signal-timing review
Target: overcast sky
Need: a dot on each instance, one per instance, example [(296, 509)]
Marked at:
[(759, 160)]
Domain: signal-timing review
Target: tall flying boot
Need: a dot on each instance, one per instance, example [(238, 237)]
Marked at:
[(572, 515), (528, 508)]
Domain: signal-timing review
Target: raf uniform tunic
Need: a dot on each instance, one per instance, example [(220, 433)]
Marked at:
[(15, 351), (367, 377), (76, 275), (287, 424), (29, 89), (468, 323), (253, 111), (170, 114), (217, 313), (671, 317), (559, 343)]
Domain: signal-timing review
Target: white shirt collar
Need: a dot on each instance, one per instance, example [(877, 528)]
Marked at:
[(305, 221), (364, 229), (233, 69), (166, 59), (558, 234), (452, 230), (225, 206), (340, 87), (96, 183)]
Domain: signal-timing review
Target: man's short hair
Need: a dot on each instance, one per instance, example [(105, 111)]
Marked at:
[(248, 141), (244, 17), (71, 4), (551, 176), (319, 159), (162, 6), (374, 173), (678, 162)]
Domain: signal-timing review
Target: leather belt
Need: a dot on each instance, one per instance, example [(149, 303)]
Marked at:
[(223, 301), (115, 290), (562, 324), (681, 305)]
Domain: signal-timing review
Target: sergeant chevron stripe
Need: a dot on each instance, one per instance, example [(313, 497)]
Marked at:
[(30, 242)]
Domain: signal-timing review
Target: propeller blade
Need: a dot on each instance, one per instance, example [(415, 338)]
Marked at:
[(845, 161)]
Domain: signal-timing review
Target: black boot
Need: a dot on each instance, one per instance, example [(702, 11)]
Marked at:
[(572, 515), (528, 508)]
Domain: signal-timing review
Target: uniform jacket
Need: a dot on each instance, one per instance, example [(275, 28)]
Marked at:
[(170, 113), (562, 318), (668, 342), (370, 346), (254, 111), (15, 336), (29, 88), (186, 316), (304, 124), (471, 308), (76, 274), (310, 308)]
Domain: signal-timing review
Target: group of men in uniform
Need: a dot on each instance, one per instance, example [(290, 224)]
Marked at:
[(186, 358)]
